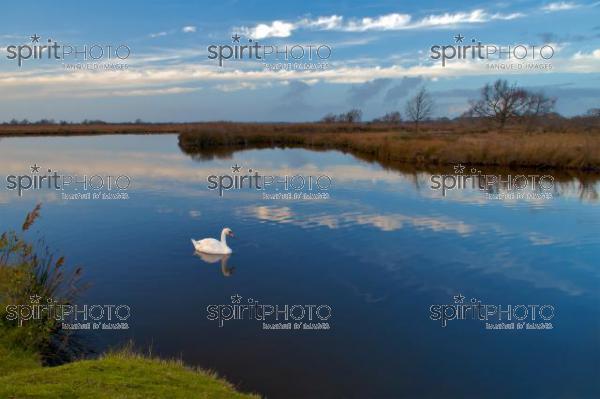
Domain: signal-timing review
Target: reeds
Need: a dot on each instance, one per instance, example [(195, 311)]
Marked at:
[(557, 143), (30, 270), (546, 150)]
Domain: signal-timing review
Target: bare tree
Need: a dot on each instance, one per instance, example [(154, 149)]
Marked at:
[(593, 113), (504, 102), (419, 108), (329, 118), (352, 116), (539, 104), (391, 118)]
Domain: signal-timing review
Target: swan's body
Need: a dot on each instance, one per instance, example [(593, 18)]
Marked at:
[(212, 246)]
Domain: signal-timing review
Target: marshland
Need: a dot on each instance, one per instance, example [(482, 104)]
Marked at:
[(564, 145), (508, 126), (379, 251)]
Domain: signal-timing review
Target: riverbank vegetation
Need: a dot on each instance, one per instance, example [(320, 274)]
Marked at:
[(561, 144), (506, 127), (430, 148), (121, 374), (30, 274)]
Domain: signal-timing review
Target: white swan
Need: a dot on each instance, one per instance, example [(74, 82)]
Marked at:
[(212, 246)]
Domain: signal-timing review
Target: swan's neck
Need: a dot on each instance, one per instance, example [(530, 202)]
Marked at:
[(223, 238)]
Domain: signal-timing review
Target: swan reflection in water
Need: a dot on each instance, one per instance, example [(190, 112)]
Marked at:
[(213, 258)]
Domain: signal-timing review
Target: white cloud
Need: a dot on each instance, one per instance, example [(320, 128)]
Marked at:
[(476, 16), (154, 92), (586, 62), (275, 29), (508, 17), (325, 23), (164, 55), (158, 34), (559, 6), (387, 22), (236, 86), (185, 29), (594, 55), (178, 78)]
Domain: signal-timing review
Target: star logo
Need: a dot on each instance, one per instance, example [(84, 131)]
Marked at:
[(459, 38), (35, 168), (236, 38), (35, 38), (236, 168), (459, 168), (459, 298), (236, 298), (35, 299)]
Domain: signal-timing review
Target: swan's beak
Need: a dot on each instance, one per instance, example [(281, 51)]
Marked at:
[(231, 234)]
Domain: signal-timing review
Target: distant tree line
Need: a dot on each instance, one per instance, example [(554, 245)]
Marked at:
[(63, 122), (352, 116), (391, 118), (499, 102)]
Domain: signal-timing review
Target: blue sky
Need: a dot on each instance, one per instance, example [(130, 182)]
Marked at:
[(380, 55)]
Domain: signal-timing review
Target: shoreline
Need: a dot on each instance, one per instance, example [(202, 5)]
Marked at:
[(561, 148), (40, 358)]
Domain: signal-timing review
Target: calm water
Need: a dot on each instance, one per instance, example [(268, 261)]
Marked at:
[(380, 251)]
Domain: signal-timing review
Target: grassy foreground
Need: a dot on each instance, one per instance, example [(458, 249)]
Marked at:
[(116, 375), (120, 374), (14, 358), (26, 270)]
